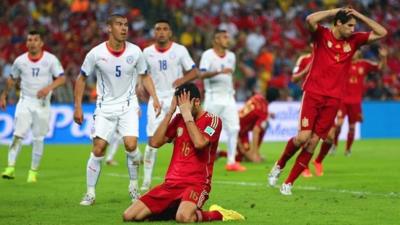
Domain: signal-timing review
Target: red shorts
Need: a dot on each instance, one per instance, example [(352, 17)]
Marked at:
[(353, 111), (318, 113), (169, 195)]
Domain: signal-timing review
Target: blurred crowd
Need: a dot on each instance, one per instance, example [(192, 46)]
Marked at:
[(268, 36)]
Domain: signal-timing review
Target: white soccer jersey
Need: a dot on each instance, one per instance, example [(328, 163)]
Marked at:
[(221, 83), (167, 66), (36, 74), (116, 75)]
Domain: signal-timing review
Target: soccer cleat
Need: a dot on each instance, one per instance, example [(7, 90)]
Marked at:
[(112, 162), (347, 153), (9, 173), (32, 176), (135, 195), (235, 167), (286, 189), (274, 175), (319, 169), (306, 173), (145, 186), (227, 214), (88, 199)]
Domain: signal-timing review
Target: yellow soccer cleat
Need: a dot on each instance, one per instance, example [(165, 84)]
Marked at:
[(9, 173), (227, 214), (32, 176)]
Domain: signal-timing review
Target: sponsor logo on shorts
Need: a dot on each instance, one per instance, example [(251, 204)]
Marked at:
[(304, 122)]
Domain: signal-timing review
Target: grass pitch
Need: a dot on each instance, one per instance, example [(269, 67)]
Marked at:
[(361, 189)]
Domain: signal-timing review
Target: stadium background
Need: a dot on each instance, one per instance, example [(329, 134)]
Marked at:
[(268, 36)]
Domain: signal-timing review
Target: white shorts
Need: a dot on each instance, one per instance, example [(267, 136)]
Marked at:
[(34, 114), (152, 121), (223, 106), (123, 119)]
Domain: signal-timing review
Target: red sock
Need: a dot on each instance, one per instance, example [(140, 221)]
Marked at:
[(337, 132), (301, 163), (350, 139), (290, 150), (207, 216), (323, 151)]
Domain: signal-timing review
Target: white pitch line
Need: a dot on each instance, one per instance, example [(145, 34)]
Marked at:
[(307, 188)]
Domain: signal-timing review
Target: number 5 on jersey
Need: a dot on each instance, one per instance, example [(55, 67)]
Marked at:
[(118, 71)]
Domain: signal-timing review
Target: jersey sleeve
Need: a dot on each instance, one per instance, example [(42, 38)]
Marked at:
[(56, 68), (212, 129), (15, 70), (205, 63), (186, 60), (360, 38), (172, 127), (141, 66), (89, 64), (318, 33)]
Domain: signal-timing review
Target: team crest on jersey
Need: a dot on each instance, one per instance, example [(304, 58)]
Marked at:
[(346, 47), (45, 63), (209, 130), (304, 122), (129, 59), (172, 55), (360, 70), (179, 131), (329, 43)]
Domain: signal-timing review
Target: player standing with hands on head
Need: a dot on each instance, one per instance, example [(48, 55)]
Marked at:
[(40, 73), (170, 65), (217, 65), (325, 84), (117, 64), (195, 134)]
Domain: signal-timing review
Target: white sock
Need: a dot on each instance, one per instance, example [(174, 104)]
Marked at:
[(150, 156), (93, 169), (232, 143), (133, 161), (112, 149), (37, 152), (14, 150), (133, 185)]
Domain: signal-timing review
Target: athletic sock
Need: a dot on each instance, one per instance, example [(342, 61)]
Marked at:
[(290, 150), (301, 163)]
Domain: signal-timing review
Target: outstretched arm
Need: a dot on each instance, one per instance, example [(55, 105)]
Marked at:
[(209, 74), (187, 77)]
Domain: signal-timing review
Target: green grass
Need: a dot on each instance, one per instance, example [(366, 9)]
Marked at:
[(361, 189)]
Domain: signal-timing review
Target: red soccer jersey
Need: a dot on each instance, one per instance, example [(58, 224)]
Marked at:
[(254, 113), (331, 62), (302, 63), (355, 82), (190, 165)]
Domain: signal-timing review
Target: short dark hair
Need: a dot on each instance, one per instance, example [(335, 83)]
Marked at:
[(342, 16), (188, 87), (218, 31), (112, 17), (163, 21), (35, 32)]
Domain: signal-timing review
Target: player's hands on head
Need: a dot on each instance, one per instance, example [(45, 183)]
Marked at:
[(185, 106), (78, 115), (42, 93)]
